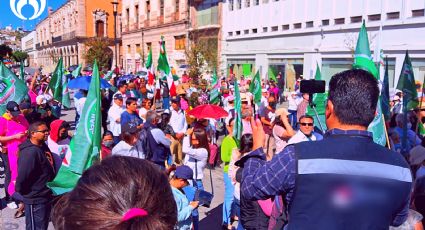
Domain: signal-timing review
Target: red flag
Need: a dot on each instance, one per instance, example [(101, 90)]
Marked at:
[(173, 90)]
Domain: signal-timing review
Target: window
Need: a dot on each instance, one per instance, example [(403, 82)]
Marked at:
[(265, 1), (254, 31), (230, 34), (325, 22), (297, 25), (148, 46), (138, 49), (339, 21), (148, 10), (161, 8), (264, 29), (356, 19), (238, 4), (256, 2), (177, 6), (136, 15), (180, 42), (247, 3), (127, 16), (418, 13), (238, 32), (246, 32), (285, 27), (128, 48), (230, 5), (374, 17), (309, 24), (393, 15), (100, 29), (274, 28)]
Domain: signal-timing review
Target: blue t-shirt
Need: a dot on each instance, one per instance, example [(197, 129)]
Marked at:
[(127, 117)]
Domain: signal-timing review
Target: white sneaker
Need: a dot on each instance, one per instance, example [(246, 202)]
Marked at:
[(12, 205)]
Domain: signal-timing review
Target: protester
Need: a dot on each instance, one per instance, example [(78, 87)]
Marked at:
[(179, 125), (79, 104), (282, 130), (159, 144), (196, 150), (324, 191), (165, 94), (122, 90), (306, 132), (107, 144), (114, 117), (180, 180), (146, 106), (119, 193), (13, 130), (293, 102), (227, 145), (412, 138), (29, 113), (302, 105), (130, 114), (35, 169), (267, 118), (59, 140), (129, 144)]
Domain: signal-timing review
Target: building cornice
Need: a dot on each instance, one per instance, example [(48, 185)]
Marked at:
[(143, 29)]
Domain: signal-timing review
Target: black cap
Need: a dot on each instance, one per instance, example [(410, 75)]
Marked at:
[(13, 108), (129, 127), (175, 99), (25, 105), (118, 96)]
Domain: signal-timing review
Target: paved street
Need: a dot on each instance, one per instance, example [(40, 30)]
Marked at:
[(209, 218)]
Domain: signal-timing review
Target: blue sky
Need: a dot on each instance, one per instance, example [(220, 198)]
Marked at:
[(8, 18)]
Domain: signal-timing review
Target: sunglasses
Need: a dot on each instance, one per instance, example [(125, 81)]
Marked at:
[(42, 131), (306, 124)]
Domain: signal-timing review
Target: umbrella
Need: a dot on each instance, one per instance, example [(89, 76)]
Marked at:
[(84, 83), (208, 111), (128, 77), (72, 68)]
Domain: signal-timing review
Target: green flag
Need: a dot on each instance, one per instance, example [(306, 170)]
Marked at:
[(22, 71), (255, 88), (362, 56), (11, 88), (363, 60), (319, 99), (385, 94), (77, 71), (163, 67), (272, 74), (149, 61), (58, 84), (237, 127), (84, 148), (214, 93), (406, 83)]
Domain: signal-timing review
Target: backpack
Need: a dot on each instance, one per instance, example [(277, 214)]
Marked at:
[(144, 139)]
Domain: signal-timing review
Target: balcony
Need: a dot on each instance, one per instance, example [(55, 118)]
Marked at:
[(207, 18), (37, 46), (56, 39), (68, 36)]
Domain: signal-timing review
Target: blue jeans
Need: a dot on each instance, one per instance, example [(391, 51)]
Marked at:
[(237, 207), (293, 118), (228, 205), (190, 191), (165, 103)]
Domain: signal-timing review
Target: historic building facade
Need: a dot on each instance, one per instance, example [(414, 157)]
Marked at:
[(64, 32), (28, 45), (293, 36), (143, 24)]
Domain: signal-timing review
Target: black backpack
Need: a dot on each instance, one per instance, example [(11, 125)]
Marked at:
[(145, 134)]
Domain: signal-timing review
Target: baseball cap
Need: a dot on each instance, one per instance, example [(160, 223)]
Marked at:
[(25, 105), (175, 99), (416, 157), (118, 96), (129, 127), (184, 172), (13, 108)]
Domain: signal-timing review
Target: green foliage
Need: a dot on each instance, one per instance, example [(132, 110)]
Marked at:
[(98, 49), (20, 55), (5, 50), (202, 56)]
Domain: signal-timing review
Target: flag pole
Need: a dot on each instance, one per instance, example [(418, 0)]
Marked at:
[(386, 133)]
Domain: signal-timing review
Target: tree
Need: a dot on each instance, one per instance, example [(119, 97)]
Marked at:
[(20, 56), (202, 56), (5, 50), (98, 49)]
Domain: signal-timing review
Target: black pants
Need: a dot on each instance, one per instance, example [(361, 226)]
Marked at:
[(37, 216), (5, 173)]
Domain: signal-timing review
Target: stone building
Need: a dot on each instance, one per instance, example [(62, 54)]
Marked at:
[(63, 32), (143, 24), (28, 45)]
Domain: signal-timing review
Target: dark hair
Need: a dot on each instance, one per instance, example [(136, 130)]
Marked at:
[(247, 143), (64, 125), (130, 100), (106, 191), (121, 84), (201, 136), (230, 121), (34, 127), (127, 137), (354, 94), (145, 101), (305, 116), (107, 133)]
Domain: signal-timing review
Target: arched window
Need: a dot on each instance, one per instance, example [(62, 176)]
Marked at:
[(100, 28)]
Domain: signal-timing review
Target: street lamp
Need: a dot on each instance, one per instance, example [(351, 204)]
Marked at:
[(115, 9)]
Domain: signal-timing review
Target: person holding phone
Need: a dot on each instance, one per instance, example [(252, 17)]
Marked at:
[(306, 132)]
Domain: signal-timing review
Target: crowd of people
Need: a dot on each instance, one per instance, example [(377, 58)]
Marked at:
[(283, 171)]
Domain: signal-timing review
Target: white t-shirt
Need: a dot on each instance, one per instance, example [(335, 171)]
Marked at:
[(114, 114)]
